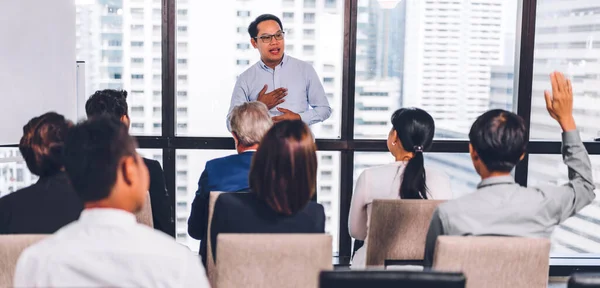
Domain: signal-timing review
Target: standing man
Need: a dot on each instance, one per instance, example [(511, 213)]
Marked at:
[(287, 86)]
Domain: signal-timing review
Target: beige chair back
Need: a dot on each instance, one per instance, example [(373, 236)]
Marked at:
[(210, 263), (495, 261), (11, 247), (272, 260), (398, 229), (144, 216)]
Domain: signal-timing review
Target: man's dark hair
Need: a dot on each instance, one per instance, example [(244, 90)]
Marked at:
[(108, 101), (499, 138), (93, 151), (43, 142), (253, 27)]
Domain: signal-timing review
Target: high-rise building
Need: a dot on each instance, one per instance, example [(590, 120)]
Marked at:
[(501, 87), (449, 49)]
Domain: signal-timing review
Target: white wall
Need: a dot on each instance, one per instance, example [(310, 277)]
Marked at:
[(37, 63)]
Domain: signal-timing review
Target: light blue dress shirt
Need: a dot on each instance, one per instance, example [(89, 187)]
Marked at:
[(305, 90)]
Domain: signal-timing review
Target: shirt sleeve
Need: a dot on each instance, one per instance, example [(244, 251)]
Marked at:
[(357, 220), (316, 99), (436, 229), (238, 97), (579, 191)]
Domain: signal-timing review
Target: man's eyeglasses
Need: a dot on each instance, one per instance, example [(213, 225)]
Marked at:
[(267, 38)]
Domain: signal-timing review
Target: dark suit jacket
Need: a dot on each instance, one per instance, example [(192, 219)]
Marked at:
[(226, 174), (41, 208), (245, 213), (162, 211)]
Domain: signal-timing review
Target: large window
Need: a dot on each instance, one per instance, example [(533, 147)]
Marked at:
[(14, 174), (566, 40), (211, 70), (455, 59), (120, 41)]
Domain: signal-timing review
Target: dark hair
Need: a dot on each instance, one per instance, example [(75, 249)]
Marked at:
[(499, 138), (253, 27), (93, 151), (42, 143), (284, 168), (108, 101), (415, 129)]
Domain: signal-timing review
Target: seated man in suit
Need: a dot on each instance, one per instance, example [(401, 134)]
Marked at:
[(106, 247), (114, 103), (502, 207), (249, 122)]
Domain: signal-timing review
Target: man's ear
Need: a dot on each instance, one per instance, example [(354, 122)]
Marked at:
[(522, 156), (473, 153), (253, 42), (125, 120), (127, 167)]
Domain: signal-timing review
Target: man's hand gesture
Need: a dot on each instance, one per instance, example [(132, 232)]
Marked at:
[(559, 102), (287, 115), (272, 98)]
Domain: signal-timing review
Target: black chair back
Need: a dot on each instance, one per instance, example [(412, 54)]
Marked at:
[(390, 279), (584, 280)]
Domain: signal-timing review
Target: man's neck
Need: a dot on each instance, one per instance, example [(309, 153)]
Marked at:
[(107, 203), (493, 174), (241, 149), (272, 64)]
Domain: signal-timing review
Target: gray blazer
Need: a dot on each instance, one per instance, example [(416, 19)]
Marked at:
[(502, 207)]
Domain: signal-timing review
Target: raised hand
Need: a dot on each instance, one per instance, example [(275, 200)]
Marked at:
[(559, 102)]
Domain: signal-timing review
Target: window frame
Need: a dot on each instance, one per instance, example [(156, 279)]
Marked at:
[(347, 145)]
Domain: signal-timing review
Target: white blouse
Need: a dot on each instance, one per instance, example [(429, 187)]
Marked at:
[(383, 182)]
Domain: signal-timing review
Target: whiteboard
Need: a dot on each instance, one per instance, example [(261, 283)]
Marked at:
[(37, 63)]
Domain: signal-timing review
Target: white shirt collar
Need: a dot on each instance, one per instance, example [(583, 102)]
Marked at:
[(107, 216)]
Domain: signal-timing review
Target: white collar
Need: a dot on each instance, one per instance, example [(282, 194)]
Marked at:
[(107, 216)]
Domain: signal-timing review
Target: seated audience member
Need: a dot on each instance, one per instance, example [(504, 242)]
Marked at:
[(249, 123), (106, 247), (114, 103), (500, 206), (51, 202), (407, 178), (282, 182)]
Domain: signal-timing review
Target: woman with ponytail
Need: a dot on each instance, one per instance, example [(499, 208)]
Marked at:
[(406, 178)]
